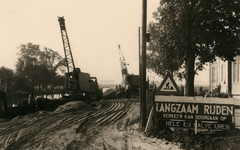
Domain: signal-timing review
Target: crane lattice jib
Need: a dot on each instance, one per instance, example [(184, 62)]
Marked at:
[(66, 46), (72, 75), (122, 61)]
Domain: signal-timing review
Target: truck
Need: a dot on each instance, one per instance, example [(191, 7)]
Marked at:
[(130, 82)]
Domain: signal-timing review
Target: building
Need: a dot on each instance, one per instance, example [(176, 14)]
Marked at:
[(218, 75)]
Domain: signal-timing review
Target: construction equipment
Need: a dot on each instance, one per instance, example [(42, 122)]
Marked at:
[(130, 82), (77, 83)]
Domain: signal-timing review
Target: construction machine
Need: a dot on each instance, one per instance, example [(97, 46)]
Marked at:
[(77, 83), (130, 82)]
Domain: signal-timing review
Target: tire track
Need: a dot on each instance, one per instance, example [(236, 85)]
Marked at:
[(28, 133), (20, 134), (89, 127), (96, 118)]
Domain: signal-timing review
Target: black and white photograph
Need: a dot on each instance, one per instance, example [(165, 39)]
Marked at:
[(120, 75)]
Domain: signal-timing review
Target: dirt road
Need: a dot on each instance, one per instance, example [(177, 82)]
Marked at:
[(77, 126)]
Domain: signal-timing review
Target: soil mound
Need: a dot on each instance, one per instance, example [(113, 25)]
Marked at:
[(73, 106)]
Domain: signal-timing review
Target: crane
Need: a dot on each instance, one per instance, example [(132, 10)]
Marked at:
[(130, 82), (77, 83), (72, 76), (123, 63)]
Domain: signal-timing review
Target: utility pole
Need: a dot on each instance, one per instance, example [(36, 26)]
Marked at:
[(143, 67), (140, 73)]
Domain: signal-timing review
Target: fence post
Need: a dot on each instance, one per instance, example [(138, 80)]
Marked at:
[(195, 126), (154, 90)]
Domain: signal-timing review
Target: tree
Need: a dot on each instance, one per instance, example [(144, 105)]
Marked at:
[(59, 81), (7, 75), (192, 33), (159, 57), (38, 68)]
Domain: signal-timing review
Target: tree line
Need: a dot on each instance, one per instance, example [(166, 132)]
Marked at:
[(34, 68)]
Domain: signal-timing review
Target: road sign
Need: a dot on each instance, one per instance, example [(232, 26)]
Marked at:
[(168, 87), (184, 112)]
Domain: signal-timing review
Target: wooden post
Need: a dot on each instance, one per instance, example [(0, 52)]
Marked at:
[(195, 126), (140, 76), (143, 65), (154, 106), (229, 77), (149, 122)]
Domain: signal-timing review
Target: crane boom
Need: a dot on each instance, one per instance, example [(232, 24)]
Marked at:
[(66, 45), (72, 75), (122, 61)]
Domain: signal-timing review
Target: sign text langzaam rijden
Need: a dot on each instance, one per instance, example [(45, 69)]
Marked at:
[(209, 112), (210, 109)]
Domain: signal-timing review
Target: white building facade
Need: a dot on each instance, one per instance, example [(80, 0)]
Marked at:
[(218, 75)]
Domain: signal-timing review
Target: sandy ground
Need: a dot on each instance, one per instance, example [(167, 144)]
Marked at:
[(113, 125)]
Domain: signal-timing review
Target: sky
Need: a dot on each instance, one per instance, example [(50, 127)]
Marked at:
[(94, 27)]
